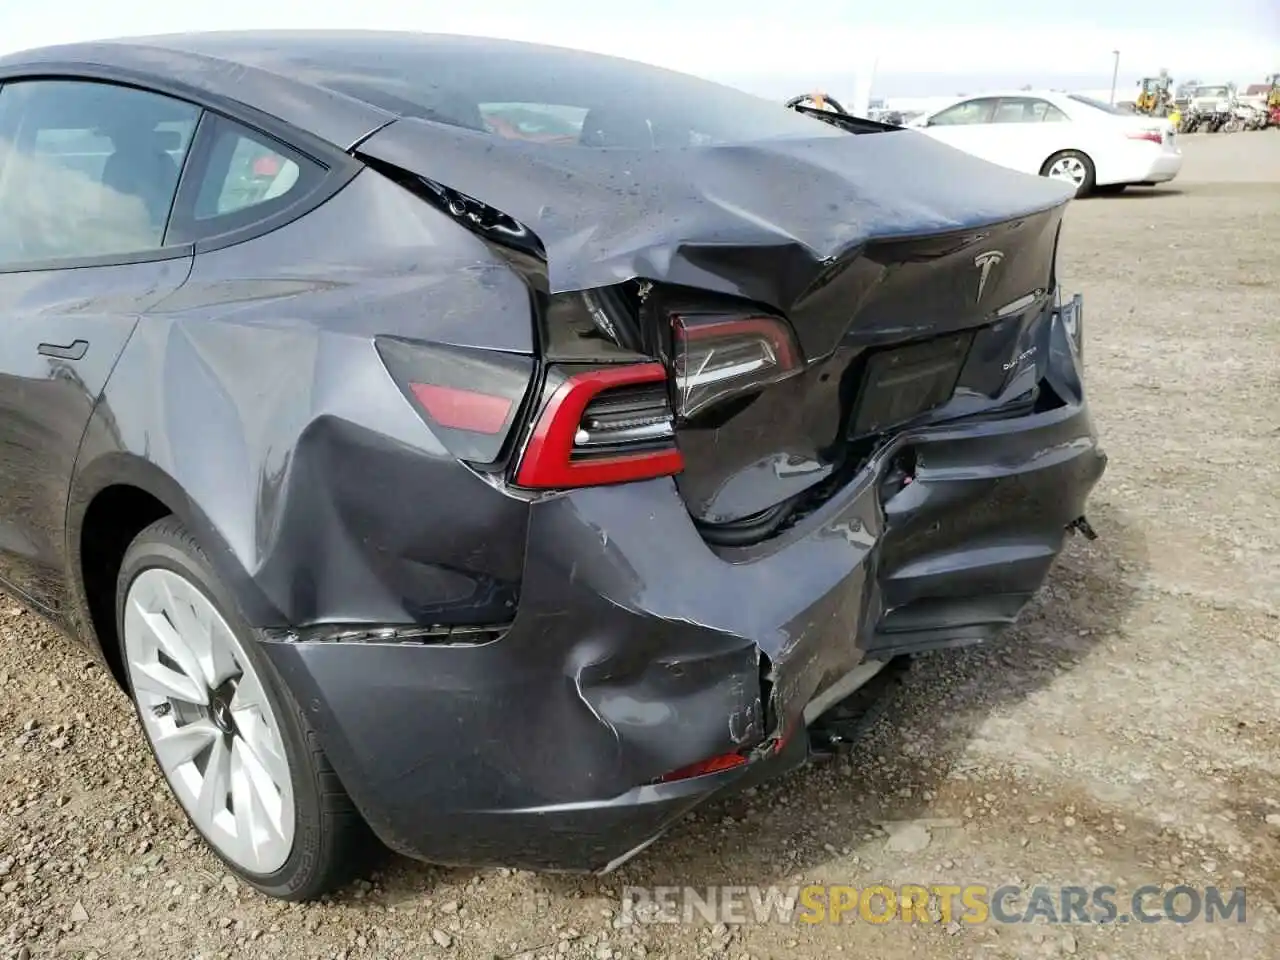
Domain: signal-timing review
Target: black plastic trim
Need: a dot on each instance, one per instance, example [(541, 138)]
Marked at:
[(177, 252), (251, 222), (408, 634), (75, 350)]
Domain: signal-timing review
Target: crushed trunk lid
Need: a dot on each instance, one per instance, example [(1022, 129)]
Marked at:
[(758, 220), (912, 274)]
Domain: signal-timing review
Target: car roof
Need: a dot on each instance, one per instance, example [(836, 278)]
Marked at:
[(993, 94), (286, 74), (1062, 98)]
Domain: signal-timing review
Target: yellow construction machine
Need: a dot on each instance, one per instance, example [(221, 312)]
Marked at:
[(1155, 98)]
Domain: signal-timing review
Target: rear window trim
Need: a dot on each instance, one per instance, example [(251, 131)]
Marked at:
[(152, 255), (249, 222)]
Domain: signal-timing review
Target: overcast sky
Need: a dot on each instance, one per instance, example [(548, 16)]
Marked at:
[(771, 47)]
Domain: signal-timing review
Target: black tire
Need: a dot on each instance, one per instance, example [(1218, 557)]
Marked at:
[(329, 834), (1086, 186)]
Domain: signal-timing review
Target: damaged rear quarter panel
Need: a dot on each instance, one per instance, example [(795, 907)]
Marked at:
[(254, 404)]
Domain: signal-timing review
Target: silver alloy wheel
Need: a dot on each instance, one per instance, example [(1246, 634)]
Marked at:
[(1069, 169), (213, 730)]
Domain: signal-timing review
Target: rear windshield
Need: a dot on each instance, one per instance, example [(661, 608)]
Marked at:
[(554, 96), (1099, 105)]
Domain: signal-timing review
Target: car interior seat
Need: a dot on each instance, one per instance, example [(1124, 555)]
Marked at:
[(283, 181), (139, 167)]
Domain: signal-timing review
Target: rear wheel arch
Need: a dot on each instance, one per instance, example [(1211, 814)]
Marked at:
[(1091, 170), (110, 505), (319, 836)]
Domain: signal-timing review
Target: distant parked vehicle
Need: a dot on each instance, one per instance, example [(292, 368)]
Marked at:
[(1250, 116), (1215, 104), (1066, 136), (1191, 120)]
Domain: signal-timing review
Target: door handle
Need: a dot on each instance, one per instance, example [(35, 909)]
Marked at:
[(72, 351)]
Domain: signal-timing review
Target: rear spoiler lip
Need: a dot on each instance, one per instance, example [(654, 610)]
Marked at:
[(847, 121)]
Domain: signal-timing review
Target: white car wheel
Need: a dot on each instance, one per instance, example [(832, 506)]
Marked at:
[(1072, 167), (237, 751), (213, 730)]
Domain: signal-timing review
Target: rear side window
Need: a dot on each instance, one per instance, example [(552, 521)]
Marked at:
[(244, 172), (964, 114), (240, 177), (87, 169), (1051, 114), (1027, 110)]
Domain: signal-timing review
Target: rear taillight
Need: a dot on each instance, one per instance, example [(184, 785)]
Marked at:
[(602, 425), (470, 398), (1152, 136), (717, 764), (719, 356)]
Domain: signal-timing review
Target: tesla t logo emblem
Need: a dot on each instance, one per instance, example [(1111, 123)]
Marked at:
[(985, 262)]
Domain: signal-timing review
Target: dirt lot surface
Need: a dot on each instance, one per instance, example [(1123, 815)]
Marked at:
[(1126, 732)]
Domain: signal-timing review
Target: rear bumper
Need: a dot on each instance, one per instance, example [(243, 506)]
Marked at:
[(1164, 169), (1143, 164), (637, 649)]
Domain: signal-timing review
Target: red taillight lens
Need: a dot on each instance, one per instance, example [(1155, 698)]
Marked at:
[(726, 761), (460, 409), (600, 426), (1152, 136), (718, 356), (470, 398)]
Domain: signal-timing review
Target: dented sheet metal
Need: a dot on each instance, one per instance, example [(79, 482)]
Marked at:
[(621, 665), (758, 220), (503, 677)]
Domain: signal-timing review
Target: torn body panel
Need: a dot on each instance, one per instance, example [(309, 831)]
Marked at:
[(621, 666), (254, 403), (616, 642), (762, 221), (862, 243)]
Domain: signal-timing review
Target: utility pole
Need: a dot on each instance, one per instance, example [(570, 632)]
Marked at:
[(1115, 73), (862, 89)]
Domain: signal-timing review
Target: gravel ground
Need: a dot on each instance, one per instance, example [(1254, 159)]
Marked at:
[(1127, 731)]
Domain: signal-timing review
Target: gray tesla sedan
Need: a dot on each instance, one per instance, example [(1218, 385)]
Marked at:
[(501, 449)]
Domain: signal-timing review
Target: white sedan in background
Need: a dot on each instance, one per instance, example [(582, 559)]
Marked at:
[(1070, 137)]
